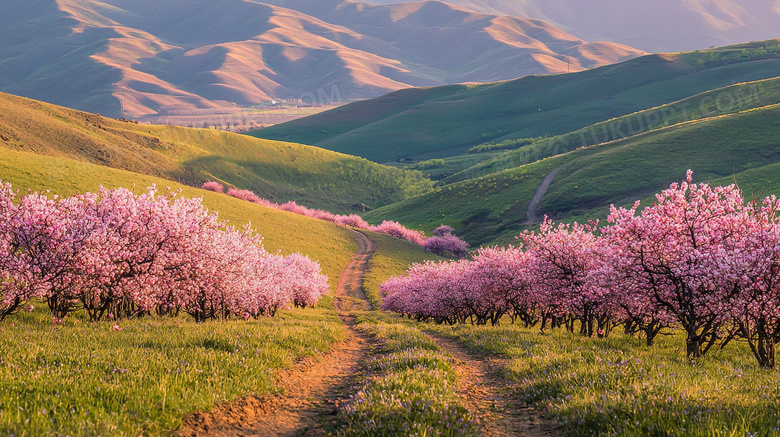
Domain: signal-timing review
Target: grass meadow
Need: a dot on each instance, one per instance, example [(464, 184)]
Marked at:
[(491, 209), (279, 171), (84, 378), (619, 386)]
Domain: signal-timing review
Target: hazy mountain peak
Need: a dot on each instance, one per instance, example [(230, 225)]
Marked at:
[(662, 25)]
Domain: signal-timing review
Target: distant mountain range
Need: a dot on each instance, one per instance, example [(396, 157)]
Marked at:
[(143, 58), (654, 26), (440, 122)]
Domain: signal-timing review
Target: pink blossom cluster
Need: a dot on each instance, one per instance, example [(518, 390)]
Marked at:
[(397, 230), (701, 259), (443, 231), (214, 186), (114, 252), (444, 243), (394, 229)]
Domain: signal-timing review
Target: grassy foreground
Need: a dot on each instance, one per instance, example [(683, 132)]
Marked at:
[(410, 387), (89, 379), (619, 386)]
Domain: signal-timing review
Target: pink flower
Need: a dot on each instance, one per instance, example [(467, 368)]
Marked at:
[(116, 327)]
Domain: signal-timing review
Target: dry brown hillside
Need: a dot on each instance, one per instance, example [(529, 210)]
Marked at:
[(145, 58)]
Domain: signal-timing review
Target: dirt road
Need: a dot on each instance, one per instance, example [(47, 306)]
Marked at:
[(539, 195), (312, 388), (485, 392)]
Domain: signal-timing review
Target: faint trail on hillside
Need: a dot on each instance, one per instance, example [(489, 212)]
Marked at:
[(314, 388), (487, 394), (540, 192)]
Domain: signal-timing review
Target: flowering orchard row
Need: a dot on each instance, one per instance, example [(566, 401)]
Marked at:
[(441, 243), (701, 259), (117, 254)]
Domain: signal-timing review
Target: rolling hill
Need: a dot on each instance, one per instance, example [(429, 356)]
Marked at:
[(717, 102), (145, 58), (278, 171), (660, 26), (446, 121), (742, 146)]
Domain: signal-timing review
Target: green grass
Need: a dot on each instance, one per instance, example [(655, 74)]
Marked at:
[(447, 121), (411, 387), (279, 171), (619, 386), (84, 378), (393, 257), (714, 148), (332, 246), (452, 164)]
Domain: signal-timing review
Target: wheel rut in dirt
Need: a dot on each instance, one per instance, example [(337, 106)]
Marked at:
[(349, 289), (313, 392), (313, 388), (485, 392)]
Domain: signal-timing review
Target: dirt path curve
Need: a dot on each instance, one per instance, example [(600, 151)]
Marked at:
[(313, 388), (539, 195), (349, 290), (485, 392)]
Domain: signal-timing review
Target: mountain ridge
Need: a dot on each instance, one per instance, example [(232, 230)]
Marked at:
[(143, 58), (661, 26)]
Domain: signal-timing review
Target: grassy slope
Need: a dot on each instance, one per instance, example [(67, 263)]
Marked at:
[(493, 208), (282, 171), (441, 121), (721, 101), (332, 246)]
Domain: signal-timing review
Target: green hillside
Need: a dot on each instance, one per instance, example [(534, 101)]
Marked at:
[(493, 208), (447, 121), (280, 171), (332, 246), (717, 102)]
